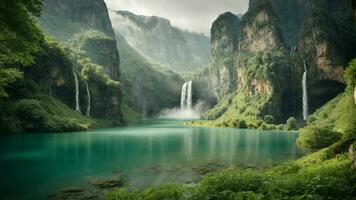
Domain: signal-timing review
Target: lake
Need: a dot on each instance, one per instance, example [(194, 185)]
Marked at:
[(145, 153)]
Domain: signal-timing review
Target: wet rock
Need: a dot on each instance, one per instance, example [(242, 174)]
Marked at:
[(208, 168), (72, 190), (107, 182)]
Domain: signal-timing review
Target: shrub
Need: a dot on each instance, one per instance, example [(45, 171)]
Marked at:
[(291, 124), (311, 119), (315, 137), (32, 115), (269, 119), (241, 124)]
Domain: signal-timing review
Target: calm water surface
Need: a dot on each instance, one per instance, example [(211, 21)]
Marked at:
[(148, 152)]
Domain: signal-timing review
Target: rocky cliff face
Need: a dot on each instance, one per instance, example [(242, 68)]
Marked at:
[(92, 13), (260, 30), (275, 37), (84, 26), (159, 42), (224, 40)]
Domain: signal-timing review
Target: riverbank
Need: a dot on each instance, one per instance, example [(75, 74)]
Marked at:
[(326, 174)]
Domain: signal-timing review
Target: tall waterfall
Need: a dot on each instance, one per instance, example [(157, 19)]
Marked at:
[(77, 106), (186, 96), (89, 100), (305, 93)]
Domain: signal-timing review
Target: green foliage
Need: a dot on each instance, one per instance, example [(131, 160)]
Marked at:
[(291, 124), (7, 77), (19, 36), (165, 192), (339, 114), (129, 113), (316, 137), (97, 72), (32, 115), (350, 75), (269, 119)]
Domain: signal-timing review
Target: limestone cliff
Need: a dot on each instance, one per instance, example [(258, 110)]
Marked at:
[(224, 41), (274, 38), (85, 28), (161, 43), (92, 13)]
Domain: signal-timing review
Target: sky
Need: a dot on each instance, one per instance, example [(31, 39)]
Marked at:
[(192, 15)]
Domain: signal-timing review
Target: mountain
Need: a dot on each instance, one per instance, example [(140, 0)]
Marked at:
[(148, 88), (69, 85), (257, 61), (159, 42), (85, 28)]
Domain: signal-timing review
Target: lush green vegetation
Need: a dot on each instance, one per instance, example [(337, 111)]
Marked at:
[(315, 137), (36, 77)]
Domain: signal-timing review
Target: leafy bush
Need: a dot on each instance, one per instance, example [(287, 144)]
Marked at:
[(316, 137), (269, 119), (291, 124), (32, 115)]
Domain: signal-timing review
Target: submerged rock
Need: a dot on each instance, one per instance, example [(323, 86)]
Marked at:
[(72, 190), (107, 182)]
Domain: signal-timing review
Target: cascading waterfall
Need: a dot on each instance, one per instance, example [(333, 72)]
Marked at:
[(89, 100), (183, 96), (189, 95), (186, 96), (305, 93), (77, 106)]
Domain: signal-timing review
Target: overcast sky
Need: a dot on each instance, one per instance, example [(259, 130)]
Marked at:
[(192, 15)]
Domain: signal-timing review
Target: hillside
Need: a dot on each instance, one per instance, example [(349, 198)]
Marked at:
[(159, 42)]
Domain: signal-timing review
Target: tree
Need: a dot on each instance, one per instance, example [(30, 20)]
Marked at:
[(19, 36)]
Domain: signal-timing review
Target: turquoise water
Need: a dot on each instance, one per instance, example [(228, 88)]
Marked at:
[(148, 152)]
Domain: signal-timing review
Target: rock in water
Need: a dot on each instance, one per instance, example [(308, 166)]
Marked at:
[(106, 183)]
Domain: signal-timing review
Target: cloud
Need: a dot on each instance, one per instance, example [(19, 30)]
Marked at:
[(192, 15)]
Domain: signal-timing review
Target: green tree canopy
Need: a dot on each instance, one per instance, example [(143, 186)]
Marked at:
[(19, 35)]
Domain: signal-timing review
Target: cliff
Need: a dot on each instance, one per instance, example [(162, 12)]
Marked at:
[(161, 43), (259, 74), (148, 88), (85, 28)]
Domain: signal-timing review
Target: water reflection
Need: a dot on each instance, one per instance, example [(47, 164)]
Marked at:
[(149, 152)]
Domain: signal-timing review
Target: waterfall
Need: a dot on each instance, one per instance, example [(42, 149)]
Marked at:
[(183, 96), (186, 96), (189, 95), (77, 106), (305, 93), (89, 100)]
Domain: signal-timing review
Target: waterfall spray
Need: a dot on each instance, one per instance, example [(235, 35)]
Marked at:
[(305, 93), (89, 100), (77, 106)]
